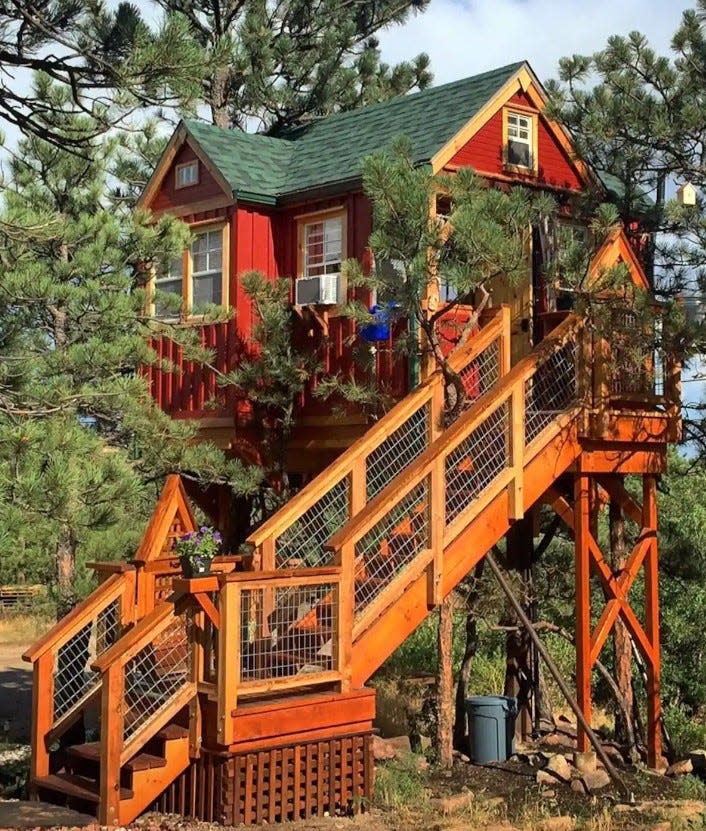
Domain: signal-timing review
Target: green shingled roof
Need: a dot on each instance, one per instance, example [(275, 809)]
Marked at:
[(331, 150)]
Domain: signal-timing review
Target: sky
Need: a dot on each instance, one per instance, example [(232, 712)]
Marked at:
[(464, 37)]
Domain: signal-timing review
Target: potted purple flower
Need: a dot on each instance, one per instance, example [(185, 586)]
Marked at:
[(197, 549)]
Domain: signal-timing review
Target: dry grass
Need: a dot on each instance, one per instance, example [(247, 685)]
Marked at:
[(22, 629)]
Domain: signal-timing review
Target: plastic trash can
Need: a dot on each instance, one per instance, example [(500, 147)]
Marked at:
[(491, 725)]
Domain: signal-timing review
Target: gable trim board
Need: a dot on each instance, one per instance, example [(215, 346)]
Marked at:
[(615, 249)]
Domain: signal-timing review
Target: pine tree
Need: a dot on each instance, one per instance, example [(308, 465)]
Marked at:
[(82, 445), (284, 63), (108, 59)]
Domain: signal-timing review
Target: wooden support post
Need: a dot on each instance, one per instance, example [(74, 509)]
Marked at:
[(583, 602), (358, 486), (42, 712), (129, 600), (199, 632), (346, 614), (112, 696), (505, 341), (268, 562), (517, 450), (654, 706), (229, 655), (437, 511), (437, 502), (601, 383)]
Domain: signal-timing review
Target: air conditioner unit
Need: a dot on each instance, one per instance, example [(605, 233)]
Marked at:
[(324, 290)]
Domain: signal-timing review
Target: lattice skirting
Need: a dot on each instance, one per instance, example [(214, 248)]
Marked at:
[(297, 781)]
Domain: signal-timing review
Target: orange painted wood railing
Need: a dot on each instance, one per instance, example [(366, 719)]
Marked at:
[(482, 454), (146, 678), (63, 683), (387, 448), (279, 631)]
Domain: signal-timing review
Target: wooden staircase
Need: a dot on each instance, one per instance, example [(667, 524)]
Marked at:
[(230, 664)]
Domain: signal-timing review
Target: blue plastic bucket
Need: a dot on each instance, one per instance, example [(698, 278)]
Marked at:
[(491, 725)]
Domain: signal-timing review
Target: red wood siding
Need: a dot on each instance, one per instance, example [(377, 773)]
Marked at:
[(168, 196), (484, 151)]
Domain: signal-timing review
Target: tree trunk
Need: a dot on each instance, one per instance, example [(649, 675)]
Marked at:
[(470, 649), (621, 638), (218, 97), (444, 695), (65, 569)]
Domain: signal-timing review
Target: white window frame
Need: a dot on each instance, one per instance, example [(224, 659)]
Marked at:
[(517, 121), (186, 169), (187, 281), (327, 269)]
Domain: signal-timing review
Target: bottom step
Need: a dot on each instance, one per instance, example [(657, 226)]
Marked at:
[(74, 786)]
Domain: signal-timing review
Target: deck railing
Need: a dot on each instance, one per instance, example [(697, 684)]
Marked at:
[(278, 631), (64, 681), (146, 679), (295, 535)]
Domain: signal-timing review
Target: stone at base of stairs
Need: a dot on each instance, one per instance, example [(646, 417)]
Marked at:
[(23, 814)]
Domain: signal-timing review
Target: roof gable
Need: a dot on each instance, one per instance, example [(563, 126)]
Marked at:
[(617, 249), (329, 153)]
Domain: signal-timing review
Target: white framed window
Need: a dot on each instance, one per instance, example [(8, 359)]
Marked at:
[(199, 277), (170, 283), (520, 139), (187, 174), (207, 268), (323, 247)]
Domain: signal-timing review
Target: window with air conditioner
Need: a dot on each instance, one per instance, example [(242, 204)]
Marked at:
[(322, 243)]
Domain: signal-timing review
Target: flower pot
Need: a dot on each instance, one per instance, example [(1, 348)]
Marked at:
[(198, 567)]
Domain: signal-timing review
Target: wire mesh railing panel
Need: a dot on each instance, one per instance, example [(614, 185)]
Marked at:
[(390, 546), (398, 450), (482, 373), (73, 677), (473, 465), (286, 632), (157, 673), (302, 544), (551, 390)]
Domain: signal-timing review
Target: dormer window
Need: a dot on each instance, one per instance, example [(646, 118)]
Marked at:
[(187, 174), (520, 132)]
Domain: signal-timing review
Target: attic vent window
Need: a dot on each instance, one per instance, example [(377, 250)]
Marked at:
[(187, 174), (520, 140)]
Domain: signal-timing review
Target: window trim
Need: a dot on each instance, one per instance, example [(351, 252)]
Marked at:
[(320, 216), (187, 272), (533, 115), (178, 168)]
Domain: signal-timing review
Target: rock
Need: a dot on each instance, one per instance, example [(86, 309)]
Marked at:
[(614, 755), (680, 768), (382, 749), (596, 780), (559, 767), (585, 762), (544, 778), (421, 763), (461, 756), (685, 810), (400, 744), (578, 786), (560, 823), (499, 826), (453, 804), (559, 740), (425, 743)]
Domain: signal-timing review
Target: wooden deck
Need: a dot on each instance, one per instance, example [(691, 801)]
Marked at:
[(240, 696)]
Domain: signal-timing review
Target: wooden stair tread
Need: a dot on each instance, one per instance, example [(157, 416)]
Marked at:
[(173, 731), (76, 786), (92, 752)]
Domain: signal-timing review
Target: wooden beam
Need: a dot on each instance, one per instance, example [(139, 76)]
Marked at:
[(654, 673), (583, 603)]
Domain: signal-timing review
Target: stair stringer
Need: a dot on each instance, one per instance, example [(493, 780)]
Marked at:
[(376, 643), (148, 785)]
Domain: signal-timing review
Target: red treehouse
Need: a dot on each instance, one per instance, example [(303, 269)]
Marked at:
[(241, 696)]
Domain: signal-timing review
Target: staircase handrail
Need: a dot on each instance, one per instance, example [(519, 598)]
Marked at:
[(122, 687), (352, 462), (429, 471)]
